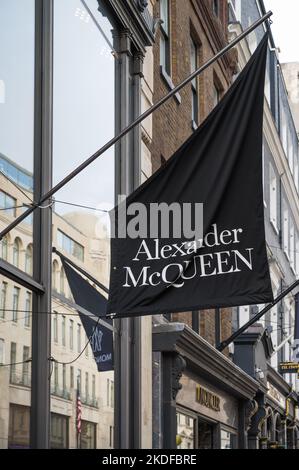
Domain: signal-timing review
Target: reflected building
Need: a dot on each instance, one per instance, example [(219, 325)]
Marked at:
[(83, 238)]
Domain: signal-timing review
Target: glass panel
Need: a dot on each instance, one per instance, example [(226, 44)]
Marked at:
[(16, 119), (227, 440), (15, 357), (84, 120), (205, 435), (185, 431)]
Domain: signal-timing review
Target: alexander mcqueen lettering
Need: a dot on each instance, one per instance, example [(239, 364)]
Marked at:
[(201, 265)]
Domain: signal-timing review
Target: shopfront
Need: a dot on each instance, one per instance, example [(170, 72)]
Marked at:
[(275, 422), (205, 400), (207, 417)]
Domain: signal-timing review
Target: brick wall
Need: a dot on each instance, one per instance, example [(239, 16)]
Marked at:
[(172, 123)]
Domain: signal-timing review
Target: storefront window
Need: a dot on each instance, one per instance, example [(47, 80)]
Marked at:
[(83, 121), (205, 435), (185, 431), (228, 440)]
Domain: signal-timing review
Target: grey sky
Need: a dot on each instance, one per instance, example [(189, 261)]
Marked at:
[(285, 28)]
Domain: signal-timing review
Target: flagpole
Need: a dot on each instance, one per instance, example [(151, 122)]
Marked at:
[(241, 330), (130, 127)]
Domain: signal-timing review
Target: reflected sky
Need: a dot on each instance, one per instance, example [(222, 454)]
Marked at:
[(17, 80), (83, 95), (83, 102)]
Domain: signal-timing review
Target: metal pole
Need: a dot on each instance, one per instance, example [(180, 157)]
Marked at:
[(128, 128), (228, 341), (42, 228)]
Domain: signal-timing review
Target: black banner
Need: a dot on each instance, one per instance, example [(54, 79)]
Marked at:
[(220, 165), (87, 297)]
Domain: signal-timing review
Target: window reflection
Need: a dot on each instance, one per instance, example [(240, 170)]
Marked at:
[(185, 432)]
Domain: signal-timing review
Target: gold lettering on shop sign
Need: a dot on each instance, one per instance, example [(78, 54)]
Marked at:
[(208, 399)]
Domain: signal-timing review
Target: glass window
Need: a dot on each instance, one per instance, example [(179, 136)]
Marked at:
[(63, 330), (216, 7), (72, 377), (93, 391), (228, 440), (273, 197), (78, 338), (13, 360), (88, 435), (19, 427), (64, 377), (62, 281), (71, 334), (216, 95), (7, 204), (185, 432), (165, 36), (286, 229), (28, 259), (28, 308), (59, 431), (70, 246), (15, 304), (194, 84), (292, 244), (25, 372), (3, 299), (2, 350), (55, 328), (86, 385), (16, 252), (4, 248)]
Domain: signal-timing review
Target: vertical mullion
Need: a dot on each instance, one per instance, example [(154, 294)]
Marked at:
[(42, 226)]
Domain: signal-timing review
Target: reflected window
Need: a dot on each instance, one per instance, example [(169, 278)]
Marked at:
[(88, 435), (15, 304), (4, 248), (55, 270), (59, 431), (62, 281), (227, 440), (7, 204), (28, 308), (3, 299), (70, 246), (165, 36), (16, 252), (28, 260), (19, 427), (185, 431)]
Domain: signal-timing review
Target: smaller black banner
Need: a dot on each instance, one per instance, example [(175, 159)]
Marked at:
[(87, 297)]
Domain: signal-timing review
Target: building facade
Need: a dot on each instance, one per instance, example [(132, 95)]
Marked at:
[(87, 71), (194, 32)]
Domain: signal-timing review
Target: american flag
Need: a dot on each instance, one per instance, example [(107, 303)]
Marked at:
[(78, 411)]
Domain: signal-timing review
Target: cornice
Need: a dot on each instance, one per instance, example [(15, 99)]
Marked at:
[(139, 23), (204, 359)]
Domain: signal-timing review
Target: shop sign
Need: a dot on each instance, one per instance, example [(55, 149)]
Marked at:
[(207, 399)]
